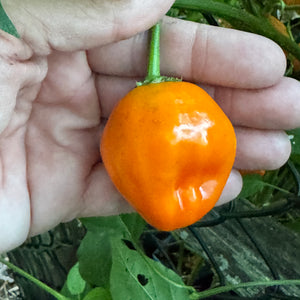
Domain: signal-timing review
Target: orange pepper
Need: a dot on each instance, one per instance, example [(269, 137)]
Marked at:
[(169, 149), (292, 2), (278, 25), (249, 172)]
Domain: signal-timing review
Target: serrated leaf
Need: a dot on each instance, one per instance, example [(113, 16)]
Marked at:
[(98, 294), (6, 24), (75, 283), (135, 276), (94, 256)]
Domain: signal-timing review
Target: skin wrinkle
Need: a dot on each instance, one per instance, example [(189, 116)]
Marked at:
[(28, 177), (133, 52), (115, 32), (57, 138), (35, 70), (27, 160), (142, 64), (51, 81), (193, 51), (229, 106), (51, 136), (204, 55), (39, 28), (6, 108), (59, 141)]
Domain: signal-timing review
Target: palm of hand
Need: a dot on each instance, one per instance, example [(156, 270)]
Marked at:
[(50, 162), (50, 120), (62, 140)]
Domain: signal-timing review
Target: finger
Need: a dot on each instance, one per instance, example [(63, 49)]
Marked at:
[(101, 196), (76, 25), (18, 70), (277, 107), (232, 188), (256, 149), (198, 53), (111, 90), (17, 64), (13, 48), (261, 149), (111, 201)]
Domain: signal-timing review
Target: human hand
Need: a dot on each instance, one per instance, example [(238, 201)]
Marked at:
[(61, 81)]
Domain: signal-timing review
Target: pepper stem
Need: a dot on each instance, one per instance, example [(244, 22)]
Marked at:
[(153, 75), (154, 55)]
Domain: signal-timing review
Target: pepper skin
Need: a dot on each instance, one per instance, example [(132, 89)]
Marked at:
[(169, 149)]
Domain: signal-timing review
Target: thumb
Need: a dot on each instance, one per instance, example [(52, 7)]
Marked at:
[(81, 24)]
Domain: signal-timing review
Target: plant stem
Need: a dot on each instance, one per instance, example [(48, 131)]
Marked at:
[(154, 55), (292, 7), (34, 280), (227, 288), (153, 75), (242, 20)]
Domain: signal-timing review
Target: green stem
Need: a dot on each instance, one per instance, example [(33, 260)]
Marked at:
[(154, 55), (153, 75), (34, 280), (227, 288), (278, 188), (242, 20)]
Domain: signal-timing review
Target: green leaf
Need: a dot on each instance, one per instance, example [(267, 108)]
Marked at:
[(125, 225), (94, 224), (294, 225), (135, 224), (295, 141), (135, 276), (98, 294), (6, 24), (252, 184), (94, 256), (110, 256), (94, 253), (75, 282)]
